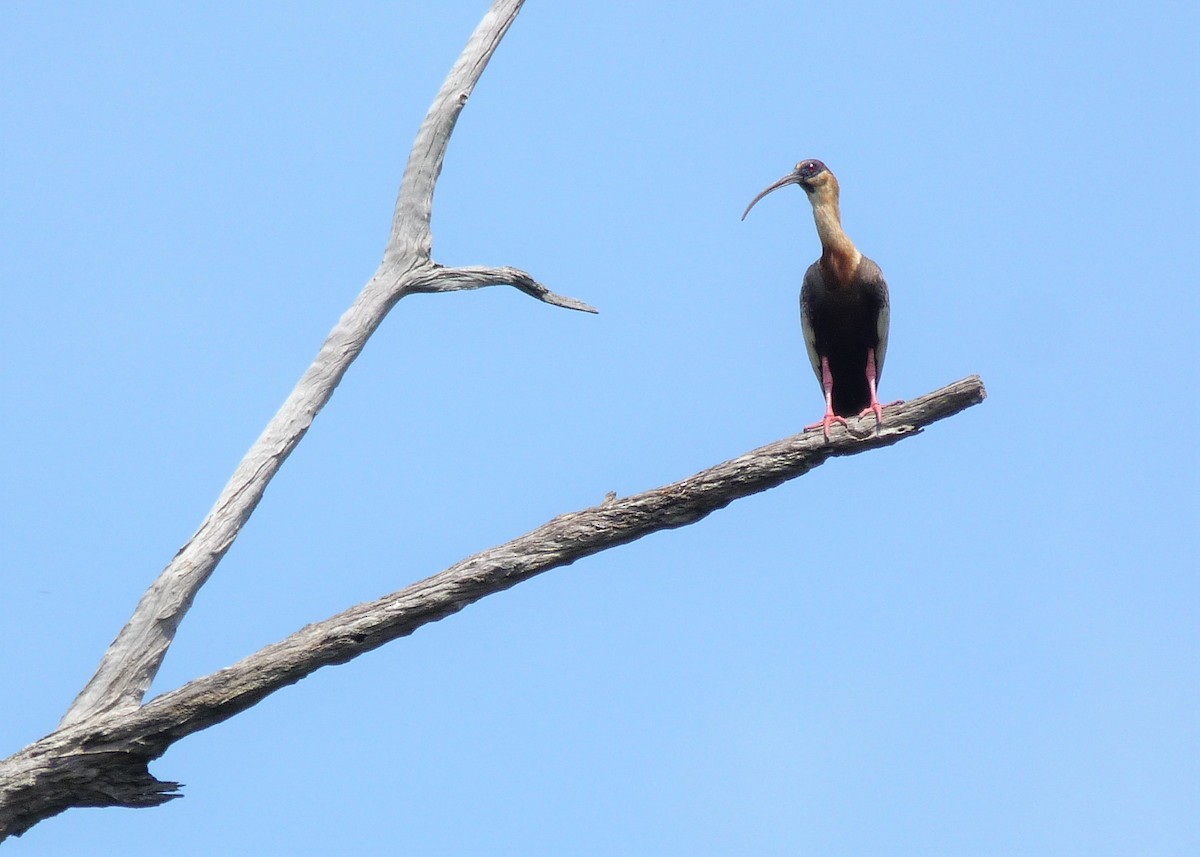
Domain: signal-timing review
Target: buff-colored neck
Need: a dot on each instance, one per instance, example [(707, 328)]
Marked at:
[(838, 252)]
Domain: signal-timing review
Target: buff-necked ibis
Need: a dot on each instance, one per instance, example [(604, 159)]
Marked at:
[(843, 305)]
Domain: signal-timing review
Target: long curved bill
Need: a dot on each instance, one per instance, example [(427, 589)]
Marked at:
[(790, 178)]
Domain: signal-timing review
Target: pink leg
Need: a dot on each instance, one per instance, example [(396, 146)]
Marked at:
[(827, 384), (874, 407)]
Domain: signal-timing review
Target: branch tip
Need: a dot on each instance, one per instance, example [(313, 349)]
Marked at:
[(441, 279)]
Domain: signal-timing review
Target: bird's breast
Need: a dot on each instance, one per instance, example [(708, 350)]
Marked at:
[(839, 267)]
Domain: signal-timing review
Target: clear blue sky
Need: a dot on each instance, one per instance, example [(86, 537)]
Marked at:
[(983, 641)]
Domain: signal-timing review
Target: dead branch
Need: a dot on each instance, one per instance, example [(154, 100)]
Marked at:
[(103, 761), (99, 754), (131, 662)]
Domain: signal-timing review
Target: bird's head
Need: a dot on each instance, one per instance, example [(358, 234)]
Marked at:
[(812, 175)]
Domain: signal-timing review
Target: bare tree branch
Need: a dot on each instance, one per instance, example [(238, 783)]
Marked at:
[(133, 659), (100, 753), (410, 236), (102, 762), (473, 277)]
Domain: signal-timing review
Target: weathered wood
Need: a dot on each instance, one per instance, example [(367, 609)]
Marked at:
[(99, 754), (102, 761), (131, 662), (557, 543), (411, 238)]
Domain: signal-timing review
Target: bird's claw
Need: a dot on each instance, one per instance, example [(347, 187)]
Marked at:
[(876, 409), (825, 423)]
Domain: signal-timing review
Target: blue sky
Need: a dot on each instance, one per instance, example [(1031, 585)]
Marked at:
[(981, 641)]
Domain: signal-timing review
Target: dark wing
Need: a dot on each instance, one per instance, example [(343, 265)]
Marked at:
[(870, 278), (811, 293)]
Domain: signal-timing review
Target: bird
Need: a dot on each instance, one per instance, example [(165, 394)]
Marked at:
[(844, 306)]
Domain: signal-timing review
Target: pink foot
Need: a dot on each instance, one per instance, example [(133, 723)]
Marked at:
[(830, 419), (877, 409)]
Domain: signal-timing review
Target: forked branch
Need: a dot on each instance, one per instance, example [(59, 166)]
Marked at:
[(99, 754), (131, 662)]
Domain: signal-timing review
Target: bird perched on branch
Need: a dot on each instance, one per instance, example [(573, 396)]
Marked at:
[(843, 305)]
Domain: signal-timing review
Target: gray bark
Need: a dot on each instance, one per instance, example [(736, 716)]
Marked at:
[(103, 761), (131, 662), (98, 755)]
